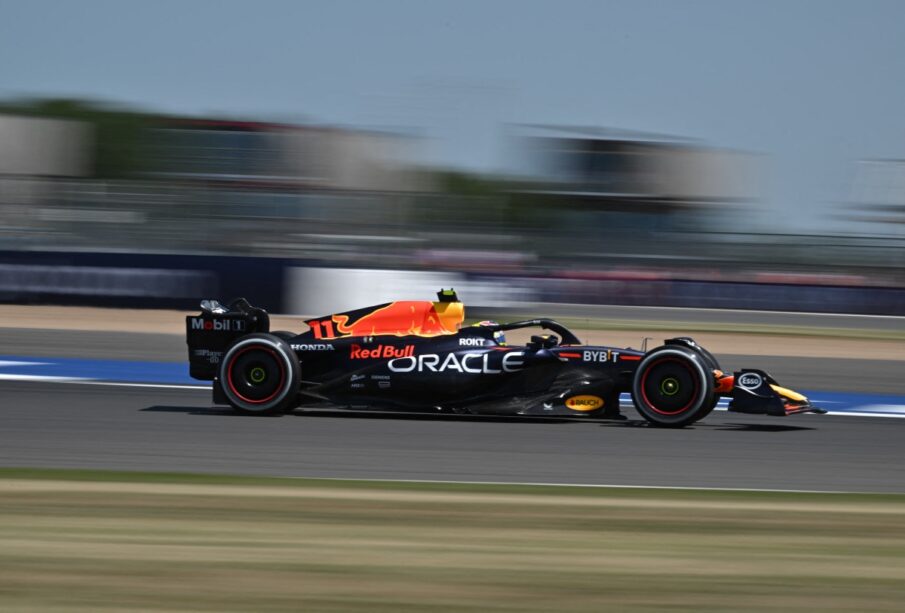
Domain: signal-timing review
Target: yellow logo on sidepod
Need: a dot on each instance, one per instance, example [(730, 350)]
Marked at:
[(584, 403)]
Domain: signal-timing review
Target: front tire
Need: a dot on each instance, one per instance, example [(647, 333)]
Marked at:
[(673, 387), (260, 375), (711, 362)]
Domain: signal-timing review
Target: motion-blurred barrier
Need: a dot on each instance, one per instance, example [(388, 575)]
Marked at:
[(723, 295), (135, 280), (289, 285), (315, 291), (101, 281)]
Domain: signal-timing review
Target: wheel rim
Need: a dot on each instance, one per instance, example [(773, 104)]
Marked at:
[(255, 374), (669, 386)]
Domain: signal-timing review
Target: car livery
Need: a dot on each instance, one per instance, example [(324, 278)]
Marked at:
[(418, 356)]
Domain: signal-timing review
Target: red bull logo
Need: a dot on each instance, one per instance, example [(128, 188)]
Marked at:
[(381, 351), (402, 318)]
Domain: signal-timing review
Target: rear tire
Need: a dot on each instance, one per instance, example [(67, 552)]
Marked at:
[(673, 387), (260, 375)]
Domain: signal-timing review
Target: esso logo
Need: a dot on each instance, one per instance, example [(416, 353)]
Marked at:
[(584, 403), (750, 381)]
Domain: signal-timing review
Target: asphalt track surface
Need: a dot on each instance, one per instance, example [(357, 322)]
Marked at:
[(45, 424), (830, 374), (154, 429)]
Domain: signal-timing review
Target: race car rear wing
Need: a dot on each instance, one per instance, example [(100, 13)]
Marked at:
[(209, 334)]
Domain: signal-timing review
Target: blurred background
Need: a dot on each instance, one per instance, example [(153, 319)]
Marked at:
[(330, 155)]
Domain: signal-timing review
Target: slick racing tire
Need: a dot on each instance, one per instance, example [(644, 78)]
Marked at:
[(709, 358), (711, 362), (673, 387), (260, 375)]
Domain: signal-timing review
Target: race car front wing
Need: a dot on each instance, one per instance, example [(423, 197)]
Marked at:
[(756, 392)]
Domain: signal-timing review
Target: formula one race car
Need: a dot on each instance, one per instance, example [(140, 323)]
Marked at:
[(417, 355)]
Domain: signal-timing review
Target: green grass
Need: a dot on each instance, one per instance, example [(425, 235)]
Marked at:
[(96, 541)]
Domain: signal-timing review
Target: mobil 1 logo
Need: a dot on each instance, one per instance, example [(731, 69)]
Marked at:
[(219, 325)]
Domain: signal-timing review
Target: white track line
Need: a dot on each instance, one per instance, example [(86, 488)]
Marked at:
[(48, 379), (83, 381), (5, 363), (596, 486), (166, 386)]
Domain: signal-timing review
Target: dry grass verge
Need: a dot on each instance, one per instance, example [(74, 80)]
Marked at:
[(95, 541)]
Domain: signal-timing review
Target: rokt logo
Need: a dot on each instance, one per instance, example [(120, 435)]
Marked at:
[(471, 341)]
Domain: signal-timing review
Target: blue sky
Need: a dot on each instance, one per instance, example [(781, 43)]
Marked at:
[(813, 86)]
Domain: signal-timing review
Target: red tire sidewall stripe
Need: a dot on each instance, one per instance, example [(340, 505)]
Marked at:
[(229, 374), (684, 365)]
